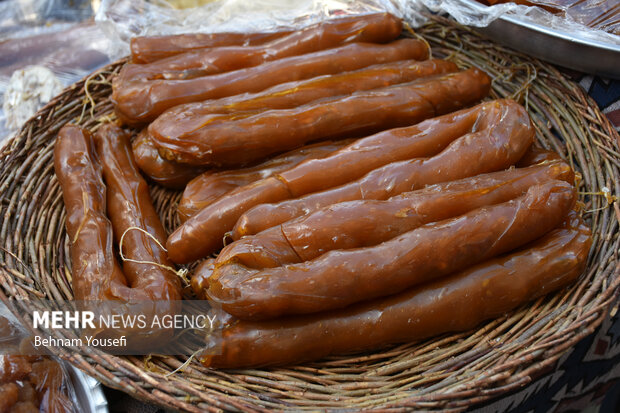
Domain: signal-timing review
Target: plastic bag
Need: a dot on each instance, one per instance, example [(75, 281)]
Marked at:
[(28, 381), (123, 19), (571, 20), (52, 34)]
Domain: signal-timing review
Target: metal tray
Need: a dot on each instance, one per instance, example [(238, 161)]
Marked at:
[(554, 46)]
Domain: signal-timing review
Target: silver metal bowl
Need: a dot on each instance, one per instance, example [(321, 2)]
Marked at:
[(88, 392), (555, 46)]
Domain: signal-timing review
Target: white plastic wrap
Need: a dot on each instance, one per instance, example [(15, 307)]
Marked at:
[(123, 19), (472, 13)]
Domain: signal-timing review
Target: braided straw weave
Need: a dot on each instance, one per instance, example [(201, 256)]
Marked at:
[(450, 372)]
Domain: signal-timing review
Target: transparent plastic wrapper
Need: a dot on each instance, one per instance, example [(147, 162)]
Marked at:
[(53, 35), (28, 380), (124, 19), (596, 20)]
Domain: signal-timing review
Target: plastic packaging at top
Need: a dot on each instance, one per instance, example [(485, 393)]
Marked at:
[(123, 19), (571, 20)]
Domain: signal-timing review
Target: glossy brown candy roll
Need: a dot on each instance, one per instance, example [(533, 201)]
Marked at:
[(147, 49), (458, 302), (536, 155), (159, 170), (187, 118), (365, 223), (200, 278), (96, 274), (129, 205), (235, 139), (141, 102), (342, 277), (210, 186), (202, 234), (371, 28), (489, 137)]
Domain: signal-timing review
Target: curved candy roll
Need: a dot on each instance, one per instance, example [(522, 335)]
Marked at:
[(140, 102), (339, 278), (371, 28), (458, 302)]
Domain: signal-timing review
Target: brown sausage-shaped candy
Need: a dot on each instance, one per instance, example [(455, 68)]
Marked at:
[(141, 102), (371, 28), (536, 155), (495, 147), (164, 172), (129, 205), (147, 49), (210, 186), (493, 136), (364, 223), (200, 278), (96, 274), (184, 120), (458, 302), (187, 118), (342, 277), (236, 139)]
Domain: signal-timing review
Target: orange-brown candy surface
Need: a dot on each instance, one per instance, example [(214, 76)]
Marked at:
[(371, 28), (147, 49), (235, 139), (27, 393), (25, 407), (202, 234), (200, 278), (9, 394), (185, 120), (487, 138), (13, 367), (189, 117), (455, 303), (364, 223), (342, 277), (159, 170), (96, 274), (46, 374), (141, 102), (210, 186), (129, 205)]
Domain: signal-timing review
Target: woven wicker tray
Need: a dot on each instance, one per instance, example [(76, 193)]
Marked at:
[(450, 372)]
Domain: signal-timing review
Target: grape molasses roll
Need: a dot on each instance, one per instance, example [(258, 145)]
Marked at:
[(147, 49), (186, 119), (458, 302), (210, 186), (240, 138), (340, 278), (137, 103), (371, 28), (486, 138)]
